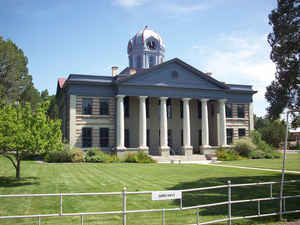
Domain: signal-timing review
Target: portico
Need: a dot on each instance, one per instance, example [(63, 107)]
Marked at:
[(158, 135)]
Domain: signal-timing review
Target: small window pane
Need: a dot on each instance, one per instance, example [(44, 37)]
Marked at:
[(199, 110), (229, 133), (241, 111), (127, 138), (242, 132), (87, 104), (126, 106), (228, 110), (169, 108), (86, 137), (104, 107), (104, 137)]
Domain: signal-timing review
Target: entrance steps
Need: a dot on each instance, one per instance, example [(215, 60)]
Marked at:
[(179, 158)]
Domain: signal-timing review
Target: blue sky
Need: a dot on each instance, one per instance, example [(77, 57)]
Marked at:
[(225, 37)]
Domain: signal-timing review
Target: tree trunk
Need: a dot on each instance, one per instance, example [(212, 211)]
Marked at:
[(18, 168)]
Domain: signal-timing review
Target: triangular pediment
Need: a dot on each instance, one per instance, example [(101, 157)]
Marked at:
[(174, 73)]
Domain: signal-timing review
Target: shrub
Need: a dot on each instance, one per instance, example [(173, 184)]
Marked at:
[(97, 156), (227, 155), (77, 155), (139, 157), (244, 146), (64, 155), (257, 154)]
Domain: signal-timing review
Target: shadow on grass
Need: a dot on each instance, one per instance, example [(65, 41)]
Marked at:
[(13, 182), (240, 193)]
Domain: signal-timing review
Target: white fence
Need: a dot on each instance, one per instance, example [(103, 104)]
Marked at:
[(124, 211)]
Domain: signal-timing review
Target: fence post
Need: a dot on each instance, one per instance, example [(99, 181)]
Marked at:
[(258, 207), (197, 216), (124, 206), (163, 216), (61, 206), (81, 219), (229, 202), (39, 220)]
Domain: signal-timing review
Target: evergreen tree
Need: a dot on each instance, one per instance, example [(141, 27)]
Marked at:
[(284, 91), (14, 78)]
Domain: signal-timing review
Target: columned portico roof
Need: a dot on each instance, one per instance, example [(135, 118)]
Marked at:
[(174, 79)]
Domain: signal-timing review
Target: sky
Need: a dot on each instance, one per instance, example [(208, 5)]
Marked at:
[(225, 37)]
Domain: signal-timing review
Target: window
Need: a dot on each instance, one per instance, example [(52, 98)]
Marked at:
[(147, 108), (127, 138), (151, 61), (229, 133), (148, 138), (87, 104), (126, 106), (104, 107), (130, 62), (181, 109), (169, 108), (181, 137), (139, 62), (200, 137), (170, 140), (241, 111), (199, 110), (175, 75), (104, 137), (228, 109), (86, 137), (242, 132)]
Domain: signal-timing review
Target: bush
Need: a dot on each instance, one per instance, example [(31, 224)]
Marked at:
[(227, 155), (257, 154), (77, 155), (244, 146), (139, 157), (64, 155), (95, 155)]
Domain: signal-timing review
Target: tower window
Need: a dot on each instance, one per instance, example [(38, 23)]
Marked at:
[(130, 62), (139, 62), (151, 61)]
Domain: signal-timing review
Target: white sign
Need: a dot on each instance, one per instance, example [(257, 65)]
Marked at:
[(166, 195)]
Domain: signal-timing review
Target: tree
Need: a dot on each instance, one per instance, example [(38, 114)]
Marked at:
[(23, 130), (273, 133), (284, 91), (14, 78)]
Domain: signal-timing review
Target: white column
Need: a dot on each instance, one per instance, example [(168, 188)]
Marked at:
[(186, 123), (223, 135), (120, 122), (72, 121), (251, 120), (163, 123), (143, 123), (205, 131)]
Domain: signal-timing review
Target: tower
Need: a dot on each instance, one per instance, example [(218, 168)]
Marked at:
[(145, 49)]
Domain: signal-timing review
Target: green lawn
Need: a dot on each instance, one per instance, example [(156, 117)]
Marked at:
[(67, 178), (292, 163)]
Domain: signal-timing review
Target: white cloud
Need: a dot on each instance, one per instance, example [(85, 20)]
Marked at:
[(243, 59), (129, 3), (183, 9)]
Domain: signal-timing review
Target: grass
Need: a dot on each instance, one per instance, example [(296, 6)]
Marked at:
[(292, 163), (81, 178)]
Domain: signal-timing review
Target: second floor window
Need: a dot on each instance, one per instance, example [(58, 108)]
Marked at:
[(104, 107), (228, 110), (87, 105), (241, 110), (169, 108), (126, 106)]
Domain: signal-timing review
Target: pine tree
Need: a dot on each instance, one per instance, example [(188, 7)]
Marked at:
[(284, 91)]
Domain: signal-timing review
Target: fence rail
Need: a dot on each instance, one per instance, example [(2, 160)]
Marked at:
[(124, 210)]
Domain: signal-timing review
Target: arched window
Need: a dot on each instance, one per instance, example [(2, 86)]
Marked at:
[(139, 62), (130, 62), (151, 61)]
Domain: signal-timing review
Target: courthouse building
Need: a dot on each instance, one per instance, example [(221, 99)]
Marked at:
[(160, 107)]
